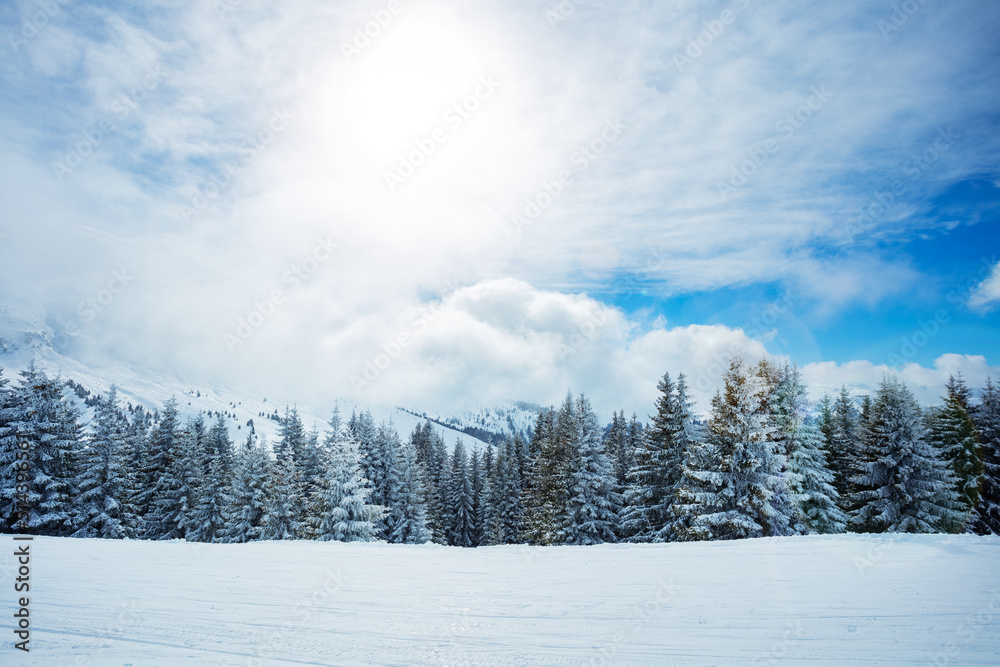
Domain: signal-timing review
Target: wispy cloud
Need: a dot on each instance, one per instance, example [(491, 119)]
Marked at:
[(684, 130), (986, 295)]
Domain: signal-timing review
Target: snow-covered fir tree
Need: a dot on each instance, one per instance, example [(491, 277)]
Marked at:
[(504, 497), (652, 483), (281, 521), (619, 450), (431, 454), (547, 492), (735, 488), (987, 419), (951, 431), (479, 509), (246, 511), (158, 459), (102, 503), (208, 523), (46, 422), (344, 512), (462, 527), (378, 448), (903, 484), (593, 506), (810, 481), (290, 465), (409, 521), (843, 442)]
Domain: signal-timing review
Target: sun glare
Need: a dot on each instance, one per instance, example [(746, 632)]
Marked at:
[(405, 81)]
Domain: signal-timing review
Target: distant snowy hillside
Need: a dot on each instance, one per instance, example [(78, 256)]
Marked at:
[(26, 336), (491, 424)]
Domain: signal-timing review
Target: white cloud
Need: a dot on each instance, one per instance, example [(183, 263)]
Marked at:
[(986, 295), (448, 225), (927, 384)]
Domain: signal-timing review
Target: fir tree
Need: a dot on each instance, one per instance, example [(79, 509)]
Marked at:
[(344, 512), (290, 453), (431, 458), (734, 488), (648, 516), (409, 523), (162, 449), (102, 503), (46, 424), (462, 528), (616, 444), (280, 520), (987, 420), (547, 494), (246, 512), (382, 460), (138, 470), (810, 481), (903, 485), (209, 518), (593, 505), (504, 497), (844, 440), (951, 430), (478, 503)]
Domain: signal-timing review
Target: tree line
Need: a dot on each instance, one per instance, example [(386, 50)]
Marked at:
[(765, 463)]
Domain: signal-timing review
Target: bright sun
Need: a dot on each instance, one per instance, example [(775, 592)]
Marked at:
[(405, 80)]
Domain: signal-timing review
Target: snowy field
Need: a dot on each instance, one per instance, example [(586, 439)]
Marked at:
[(825, 600)]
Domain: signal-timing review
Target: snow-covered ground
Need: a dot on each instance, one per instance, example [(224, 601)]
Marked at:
[(826, 600)]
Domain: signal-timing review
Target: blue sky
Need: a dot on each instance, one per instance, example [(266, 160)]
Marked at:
[(534, 196)]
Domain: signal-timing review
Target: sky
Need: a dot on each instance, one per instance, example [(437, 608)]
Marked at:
[(442, 205)]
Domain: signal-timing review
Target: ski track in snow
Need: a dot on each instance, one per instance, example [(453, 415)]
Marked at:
[(821, 600)]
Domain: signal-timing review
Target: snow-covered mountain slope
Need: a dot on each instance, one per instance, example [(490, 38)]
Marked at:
[(819, 600), (26, 337), (492, 424)]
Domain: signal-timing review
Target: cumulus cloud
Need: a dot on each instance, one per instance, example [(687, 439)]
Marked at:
[(927, 384)]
